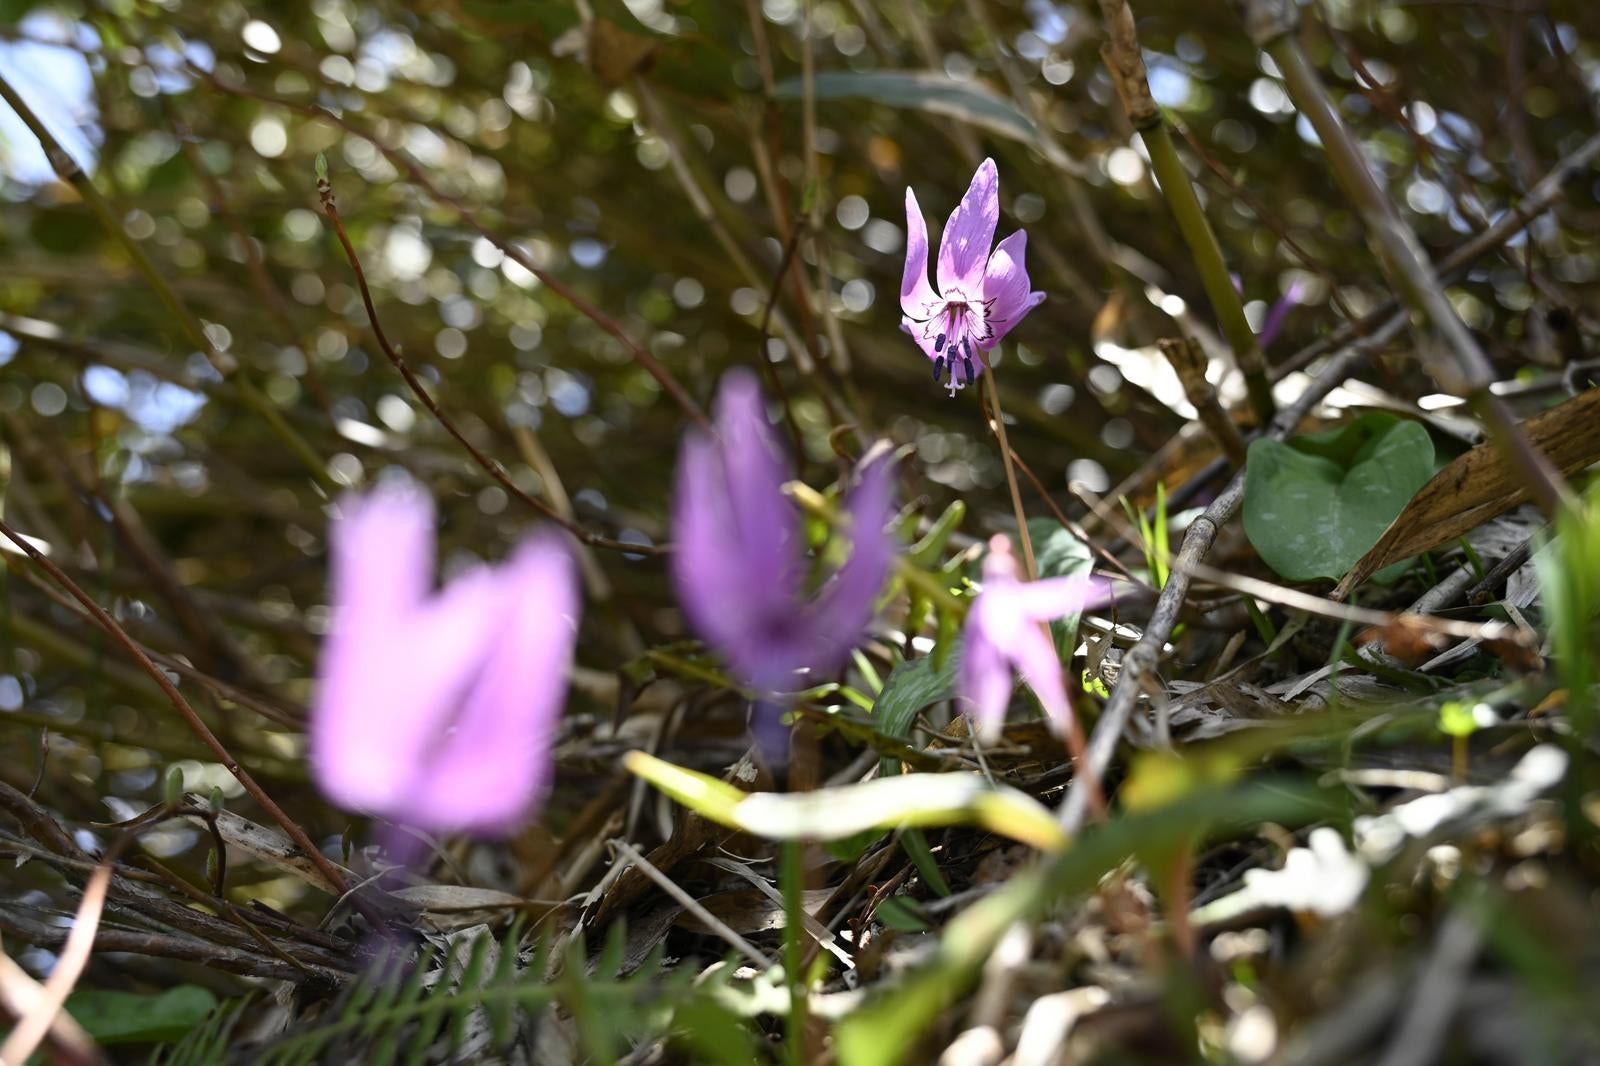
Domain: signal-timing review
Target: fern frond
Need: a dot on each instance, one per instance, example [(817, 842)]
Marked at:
[(207, 1043)]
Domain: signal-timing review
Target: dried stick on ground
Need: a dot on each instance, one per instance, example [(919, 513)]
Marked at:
[(1202, 533)]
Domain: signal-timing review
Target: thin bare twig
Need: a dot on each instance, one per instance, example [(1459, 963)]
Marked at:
[(187, 712), (1141, 659), (512, 251), (488, 464)]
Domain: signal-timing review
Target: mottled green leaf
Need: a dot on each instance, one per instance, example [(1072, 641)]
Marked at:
[(1313, 506), (113, 1016)]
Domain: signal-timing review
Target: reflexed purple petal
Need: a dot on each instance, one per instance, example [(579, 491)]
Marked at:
[(917, 298), (381, 549), (964, 245), (766, 524), (728, 578), (492, 767), (983, 681), (1038, 662), (841, 614), (1054, 597), (1005, 281), (708, 571), (388, 684)]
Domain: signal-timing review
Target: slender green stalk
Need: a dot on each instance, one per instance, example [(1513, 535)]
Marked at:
[(1011, 472), (793, 876), (1208, 260), (1126, 65)]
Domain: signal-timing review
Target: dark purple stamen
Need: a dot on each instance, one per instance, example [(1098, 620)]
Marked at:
[(938, 343), (938, 369), (967, 362)]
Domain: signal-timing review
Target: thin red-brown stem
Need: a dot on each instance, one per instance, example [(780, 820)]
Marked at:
[(999, 424), (489, 465), (1083, 769), (183, 707)]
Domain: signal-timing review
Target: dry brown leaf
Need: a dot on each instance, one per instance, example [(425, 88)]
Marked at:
[(1480, 485), (607, 49), (1406, 638)]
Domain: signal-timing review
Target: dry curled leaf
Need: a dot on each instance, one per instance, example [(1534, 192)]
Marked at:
[(1480, 485), (1406, 637)]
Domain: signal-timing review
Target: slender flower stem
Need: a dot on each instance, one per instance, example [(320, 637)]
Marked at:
[(1011, 472), (1077, 747), (793, 877)]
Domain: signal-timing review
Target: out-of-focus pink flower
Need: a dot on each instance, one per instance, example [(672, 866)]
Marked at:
[(980, 295), (1006, 630), (436, 709), (739, 566)]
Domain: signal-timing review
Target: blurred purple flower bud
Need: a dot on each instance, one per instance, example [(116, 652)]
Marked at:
[(738, 565), (1006, 630), (980, 296), (436, 709), (1278, 313)]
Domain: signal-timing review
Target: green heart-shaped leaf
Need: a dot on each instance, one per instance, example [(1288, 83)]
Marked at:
[(1313, 506)]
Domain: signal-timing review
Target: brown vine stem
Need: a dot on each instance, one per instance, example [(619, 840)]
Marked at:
[(489, 465), (183, 707)]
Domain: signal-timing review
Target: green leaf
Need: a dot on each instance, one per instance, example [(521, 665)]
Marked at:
[(909, 688), (934, 92), (112, 1016), (837, 813), (898, 915), (1313, 506)]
